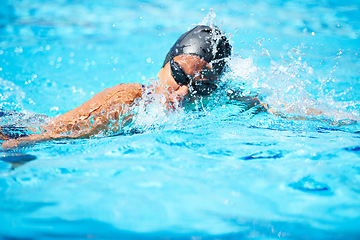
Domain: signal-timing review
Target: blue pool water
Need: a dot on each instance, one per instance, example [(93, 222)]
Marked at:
[(213, 172)]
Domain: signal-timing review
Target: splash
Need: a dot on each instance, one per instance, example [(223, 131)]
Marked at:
[(290, 88), (151, 112), (209, 19), (11, 95)]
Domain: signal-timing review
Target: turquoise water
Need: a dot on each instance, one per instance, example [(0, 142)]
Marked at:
[(219, 171)]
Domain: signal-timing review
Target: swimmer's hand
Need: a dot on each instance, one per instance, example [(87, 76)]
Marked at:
[(8, 144), (24, 141), (249, 102)]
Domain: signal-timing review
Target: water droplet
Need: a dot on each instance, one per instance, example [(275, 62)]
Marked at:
[(18, 50), (54, 108)]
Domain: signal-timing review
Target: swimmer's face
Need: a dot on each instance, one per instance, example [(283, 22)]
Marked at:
[(194, 73), (198, 79)]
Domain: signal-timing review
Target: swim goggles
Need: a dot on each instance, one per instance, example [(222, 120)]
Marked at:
[(197, 87)]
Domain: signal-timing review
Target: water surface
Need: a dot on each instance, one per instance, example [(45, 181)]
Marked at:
[(216, 172)]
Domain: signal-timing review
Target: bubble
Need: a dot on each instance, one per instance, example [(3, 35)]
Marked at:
[(54, 108), (310, 70), (47, 48), (18, 50), (148, 60)]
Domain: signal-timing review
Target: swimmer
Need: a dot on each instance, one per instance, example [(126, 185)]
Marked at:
[(192, 67)]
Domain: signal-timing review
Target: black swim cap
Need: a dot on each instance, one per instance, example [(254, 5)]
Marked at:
[(208, 43)]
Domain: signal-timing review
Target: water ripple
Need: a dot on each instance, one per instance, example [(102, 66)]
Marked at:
[(308, 184)]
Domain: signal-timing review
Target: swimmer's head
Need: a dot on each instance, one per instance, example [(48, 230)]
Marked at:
[(198, 58), (208, 43)]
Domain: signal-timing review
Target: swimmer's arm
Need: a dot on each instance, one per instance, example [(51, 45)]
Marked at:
[(34, 138), (288, 110), (102, 110), (304, 112), (99, 113), (249, 102)]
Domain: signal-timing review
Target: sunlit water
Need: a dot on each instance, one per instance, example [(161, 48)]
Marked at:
[(215, 171)]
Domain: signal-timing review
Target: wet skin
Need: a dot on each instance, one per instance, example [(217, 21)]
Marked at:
[(109, 109), (106, 110)]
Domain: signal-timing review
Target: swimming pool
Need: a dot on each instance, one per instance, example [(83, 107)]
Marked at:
[(218, 172)]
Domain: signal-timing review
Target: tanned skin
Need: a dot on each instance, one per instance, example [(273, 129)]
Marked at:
[(108, 107)]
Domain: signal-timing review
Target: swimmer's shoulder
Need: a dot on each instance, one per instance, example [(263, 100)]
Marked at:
[(121, 93), (122, 89), (126, 87)]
